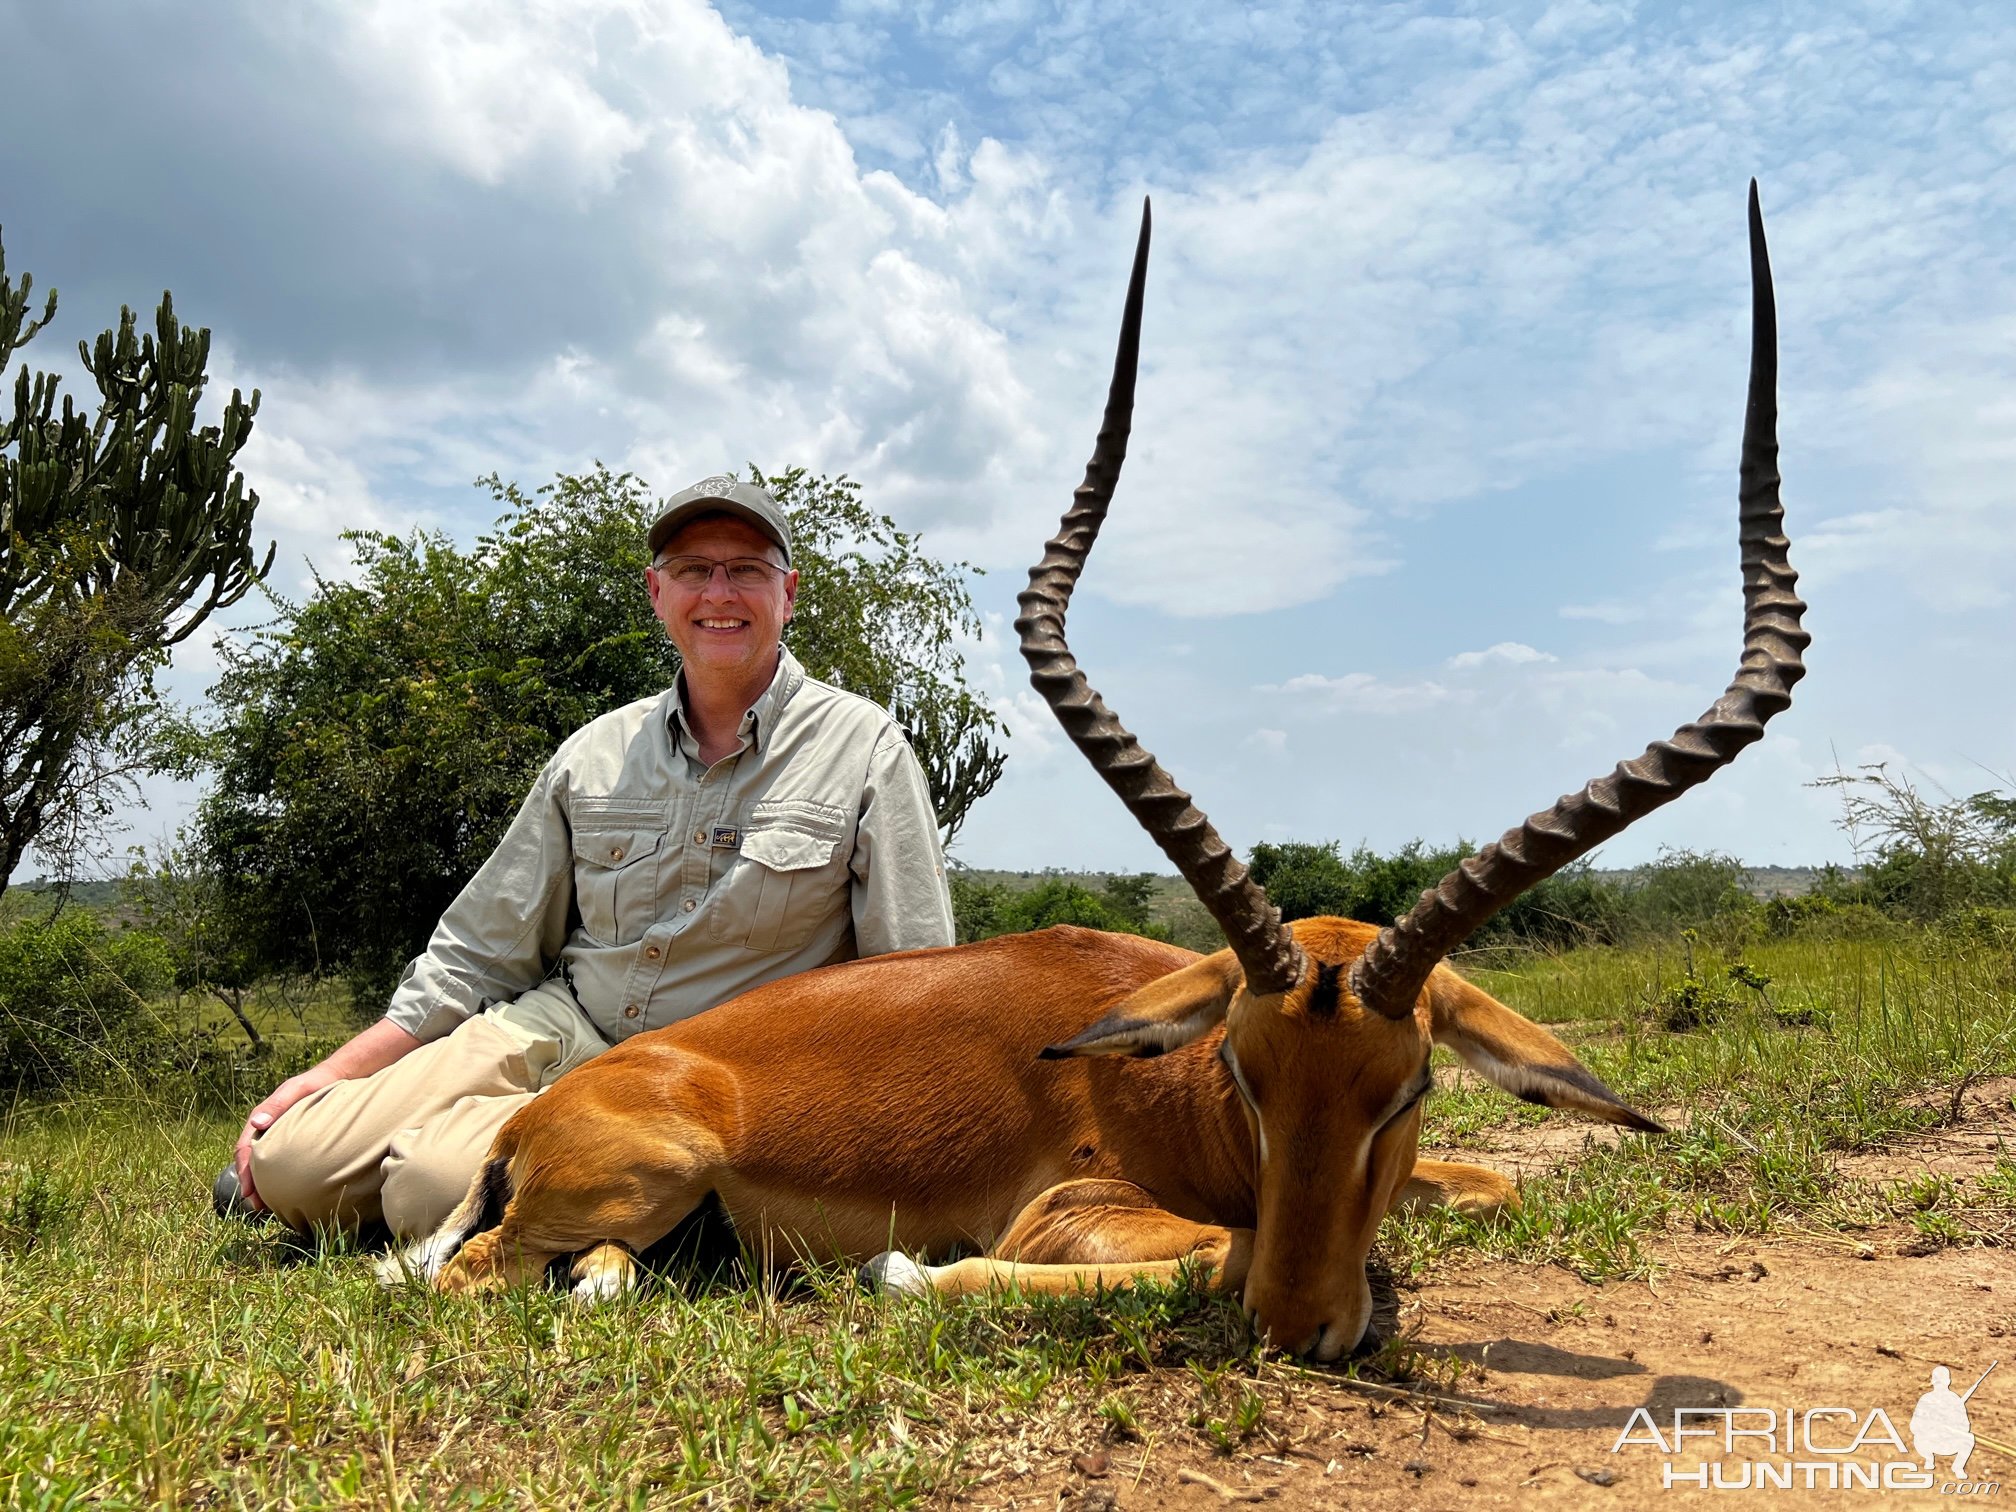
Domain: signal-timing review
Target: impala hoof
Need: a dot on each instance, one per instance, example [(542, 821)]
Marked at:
[(395, 1268), (894, 1273), (602, 1286), (420, 1261)]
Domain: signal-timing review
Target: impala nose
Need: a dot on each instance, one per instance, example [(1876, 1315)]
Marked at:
[(1340, 1339), (1305, 1330)]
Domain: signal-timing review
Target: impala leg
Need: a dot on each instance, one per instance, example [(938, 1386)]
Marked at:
[(1085, 1234), (1468, 1189), (607, 1270), (592, 1173), (491, 1262)]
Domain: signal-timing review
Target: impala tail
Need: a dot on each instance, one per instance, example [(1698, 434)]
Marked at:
[(478, 1212)]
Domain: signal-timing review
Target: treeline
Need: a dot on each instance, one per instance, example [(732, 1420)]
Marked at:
[(82, 989), (1930, 861)]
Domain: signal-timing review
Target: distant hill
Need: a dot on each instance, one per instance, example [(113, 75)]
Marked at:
[(99, 895)]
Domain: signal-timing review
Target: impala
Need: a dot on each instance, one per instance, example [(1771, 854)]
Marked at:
[(1255, 1111)]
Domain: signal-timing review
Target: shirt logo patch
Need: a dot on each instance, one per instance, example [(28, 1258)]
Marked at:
[(726, 837)]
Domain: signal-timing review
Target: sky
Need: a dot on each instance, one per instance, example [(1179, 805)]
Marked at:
[(1430, 513)]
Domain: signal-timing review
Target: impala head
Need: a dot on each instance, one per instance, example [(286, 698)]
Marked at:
[(1329, 1023)]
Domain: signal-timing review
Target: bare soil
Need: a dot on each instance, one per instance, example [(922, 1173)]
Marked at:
[(1978, 1128), (1531, 1375)]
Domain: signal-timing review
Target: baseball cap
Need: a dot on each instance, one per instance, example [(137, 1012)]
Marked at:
[(723, 495)]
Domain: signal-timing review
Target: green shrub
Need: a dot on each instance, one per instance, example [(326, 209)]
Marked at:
[(976, 907), (1817, 916), (1686, 889), (982, 910), (1703, 997), (1057, 901), (1574, 907), (73, 999), (35, 1207)]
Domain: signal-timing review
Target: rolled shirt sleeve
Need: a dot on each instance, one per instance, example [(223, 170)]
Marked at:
[(900, 898), (503, 930)]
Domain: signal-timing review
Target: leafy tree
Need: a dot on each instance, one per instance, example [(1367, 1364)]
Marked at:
[(184, 905), (381, 732), (1686, 889), (1927, 857), (880, 618), (986, 909), (119, 534), (1304, 880), (1128, 899)]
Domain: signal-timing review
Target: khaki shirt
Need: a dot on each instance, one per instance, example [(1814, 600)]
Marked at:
[(663, 887)]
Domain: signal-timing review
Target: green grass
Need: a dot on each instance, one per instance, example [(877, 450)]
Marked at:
[(151, 1356), (155, 1357), (1851, 1046)]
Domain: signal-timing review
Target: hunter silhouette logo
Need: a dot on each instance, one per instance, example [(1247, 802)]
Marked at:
[(1939, 1424), (1822, 1448)]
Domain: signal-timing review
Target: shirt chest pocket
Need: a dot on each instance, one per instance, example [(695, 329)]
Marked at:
[(616, 876), (789, 877)]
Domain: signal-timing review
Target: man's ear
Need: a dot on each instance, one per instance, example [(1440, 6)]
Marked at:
[(1513, 1053), (1165, 1015)]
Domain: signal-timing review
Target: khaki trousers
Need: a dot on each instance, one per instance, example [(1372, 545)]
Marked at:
[(402, 1145)]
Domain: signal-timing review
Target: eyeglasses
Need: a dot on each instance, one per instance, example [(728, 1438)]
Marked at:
[(696, 572)]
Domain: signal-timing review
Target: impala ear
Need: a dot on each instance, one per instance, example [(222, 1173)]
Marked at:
[(1165, 1015), (1513, 1053)]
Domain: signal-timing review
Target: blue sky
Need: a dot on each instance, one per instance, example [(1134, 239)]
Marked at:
[(1431, 510)]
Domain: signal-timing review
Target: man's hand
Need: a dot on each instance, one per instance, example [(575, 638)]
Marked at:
[(283, 1097), (371, 1050)]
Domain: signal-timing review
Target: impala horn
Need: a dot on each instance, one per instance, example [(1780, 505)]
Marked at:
[(1389, 976), (1268, 954)]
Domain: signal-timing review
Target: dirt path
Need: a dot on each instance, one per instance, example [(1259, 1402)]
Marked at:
[(1551, 1369), (1541, 1372)]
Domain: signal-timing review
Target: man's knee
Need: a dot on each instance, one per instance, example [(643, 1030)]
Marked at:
[(299, 1180), (422, 1186), (428, 1170)]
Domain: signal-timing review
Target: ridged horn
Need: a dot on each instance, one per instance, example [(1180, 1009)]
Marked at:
[(1389, 976), (1266, 951)]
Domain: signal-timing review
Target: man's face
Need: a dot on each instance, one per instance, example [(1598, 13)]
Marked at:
[(723, 630)]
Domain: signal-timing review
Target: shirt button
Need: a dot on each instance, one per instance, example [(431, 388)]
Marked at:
[(615, 853), (631, 1011), (652, 952), (699, 837), (688, 906)]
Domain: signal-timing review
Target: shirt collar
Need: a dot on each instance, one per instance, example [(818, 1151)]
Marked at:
[(761, 716)]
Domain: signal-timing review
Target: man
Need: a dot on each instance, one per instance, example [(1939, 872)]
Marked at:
[(745, 824)]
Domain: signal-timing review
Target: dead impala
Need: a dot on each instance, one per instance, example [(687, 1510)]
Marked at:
[(1256, 1110)]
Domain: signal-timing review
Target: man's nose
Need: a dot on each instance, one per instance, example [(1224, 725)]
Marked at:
[(717, 580)]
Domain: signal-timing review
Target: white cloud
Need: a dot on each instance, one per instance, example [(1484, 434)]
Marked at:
[(1402, 261), (1361, 693), (497, 90), (1508, 653)]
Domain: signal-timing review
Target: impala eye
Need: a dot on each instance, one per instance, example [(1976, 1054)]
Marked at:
[(1421, 1090)]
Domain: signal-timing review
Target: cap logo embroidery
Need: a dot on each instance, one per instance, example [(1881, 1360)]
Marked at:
[(715, 485)]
